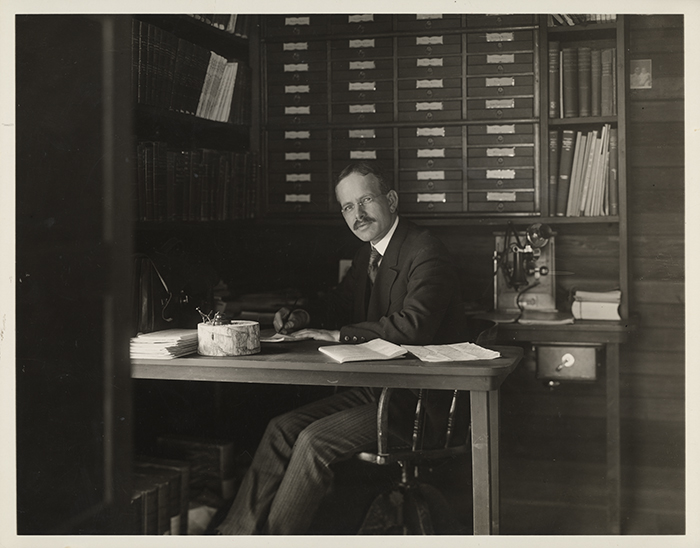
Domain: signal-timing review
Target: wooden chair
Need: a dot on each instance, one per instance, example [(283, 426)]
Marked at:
[(410, 498)]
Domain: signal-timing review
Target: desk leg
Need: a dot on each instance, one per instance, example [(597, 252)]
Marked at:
[(612, 397), (484, 418)]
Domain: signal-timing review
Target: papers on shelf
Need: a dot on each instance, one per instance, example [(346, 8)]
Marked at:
[(376, 349), (465, 351), (164, 345), (545, 317)]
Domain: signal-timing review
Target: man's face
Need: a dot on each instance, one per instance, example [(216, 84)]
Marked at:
[(368, 213)]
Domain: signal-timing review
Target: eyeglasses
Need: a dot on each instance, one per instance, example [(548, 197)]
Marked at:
[(364, 202)]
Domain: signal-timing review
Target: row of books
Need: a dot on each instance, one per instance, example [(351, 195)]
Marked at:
[(194, 185), (174, 74), (570, 20), (583, 172), (582, 81), (596, 305), (238, 25)]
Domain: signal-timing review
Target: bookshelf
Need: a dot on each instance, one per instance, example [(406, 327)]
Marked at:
[(191, 85)]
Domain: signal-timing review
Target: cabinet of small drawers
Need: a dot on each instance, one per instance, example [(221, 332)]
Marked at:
[(447, 104)]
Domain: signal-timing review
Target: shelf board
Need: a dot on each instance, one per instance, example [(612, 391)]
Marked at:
[(583, 120), (583, 31)]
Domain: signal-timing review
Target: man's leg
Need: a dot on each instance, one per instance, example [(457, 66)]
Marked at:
[(251, 507)]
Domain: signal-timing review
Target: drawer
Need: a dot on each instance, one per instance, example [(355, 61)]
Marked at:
[(500, 63), (431, 163), (278, 163), (431, 67), (356, 154), (428, 153), (452, 185), (425, 137), (498, 21), (297, 158), (357, 138), (362, 113), (292, 140), (290, 116), (500, 174), (501, 201), (362, 69), (316, 189), (429, 45), (296, 77), (430, 111), (501, 184), (295, 25), (504, 41), (297, 204), (362, 48), (437, 176), (274, 98), (427, 90), (428, 22), (379, 90), (498, 134), (567, 362), (314, 180), (359, 24), (503, 156), (316, 49), (500, 109), (431, 202), (501, 86), (292, 67)]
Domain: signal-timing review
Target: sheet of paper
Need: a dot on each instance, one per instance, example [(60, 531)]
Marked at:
[(279, 337), (451, 352)]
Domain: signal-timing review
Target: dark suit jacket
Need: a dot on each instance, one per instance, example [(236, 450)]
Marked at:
[(415, 300)]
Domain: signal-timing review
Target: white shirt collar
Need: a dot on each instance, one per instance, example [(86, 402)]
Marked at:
[(384, 242)]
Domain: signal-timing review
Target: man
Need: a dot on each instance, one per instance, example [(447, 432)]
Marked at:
[(409, 294)]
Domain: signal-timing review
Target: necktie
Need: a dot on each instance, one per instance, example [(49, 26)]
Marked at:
[(374, 258)]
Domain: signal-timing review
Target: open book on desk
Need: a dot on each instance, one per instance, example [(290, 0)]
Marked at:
[(376, 349)]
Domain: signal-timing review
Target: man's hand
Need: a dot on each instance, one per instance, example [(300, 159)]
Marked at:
[(319, 334), (287, 321)]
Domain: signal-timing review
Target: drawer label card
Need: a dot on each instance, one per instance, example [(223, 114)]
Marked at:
[(500, 36), (361, 133), (298, 177), (500, 196), (297, 21), (430, 153), (425, 16), (297, 198), (494, 130), (298, 67), (297, 110), (297, 156), (362, 65), (429, 62), (500, 151), (369, 43), (500, 174), (297, 135), (424, 84), (297, 89), (363, 154), (357, 109), (431, 197), (430, 132), (499, 82), (428, 40), (430, 175), (295, 46), (434, 105), (362, 86), (501, 59), (361, 18), (500, 103)]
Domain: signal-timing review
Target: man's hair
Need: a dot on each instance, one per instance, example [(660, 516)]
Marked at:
[(367, 168)]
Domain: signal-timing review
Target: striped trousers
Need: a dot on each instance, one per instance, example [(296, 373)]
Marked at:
[(290, 473)]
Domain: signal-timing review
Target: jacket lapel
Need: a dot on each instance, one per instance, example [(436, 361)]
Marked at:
[(386, 275)]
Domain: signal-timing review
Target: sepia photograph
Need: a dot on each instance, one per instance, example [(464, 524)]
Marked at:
[(320, 275)]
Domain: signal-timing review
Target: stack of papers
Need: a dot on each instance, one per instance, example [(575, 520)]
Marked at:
[(164, 345), (457, 352), (376, 349)]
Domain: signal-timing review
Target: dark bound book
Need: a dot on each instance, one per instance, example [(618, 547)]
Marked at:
[(553, 79), (570, 80), (613, 181), (595, 82), (565, 163), (606, 83), (584, 81), (553, 169)]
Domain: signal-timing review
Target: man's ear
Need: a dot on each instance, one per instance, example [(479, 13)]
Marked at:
[(393, 198)]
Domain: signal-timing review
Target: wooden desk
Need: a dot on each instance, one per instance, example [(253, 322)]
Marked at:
[(302, 363)]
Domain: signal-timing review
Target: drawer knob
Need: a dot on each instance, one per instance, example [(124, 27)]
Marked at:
[(362, 74), (500, 68), (499, 113), (499, 183), (296, 56), (500, 90), (429, 116), (431, 206), (501, 206), (429, 93), (428, 24), (361, 29), (429, 49), (500, 45), (567, 360), (430, 70), (431, 141), (431, 185), (500, 138)]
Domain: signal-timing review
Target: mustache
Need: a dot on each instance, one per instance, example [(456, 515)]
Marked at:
[(364, 220)]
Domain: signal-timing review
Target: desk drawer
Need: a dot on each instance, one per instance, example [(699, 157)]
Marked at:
[(567, 362)]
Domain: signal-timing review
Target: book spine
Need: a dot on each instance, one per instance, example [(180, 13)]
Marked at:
[(606, 83), (595, 82), (570, 78), (553, 170), (564, 178), (584, 81), (575, 173), (613, 181), (553, 83), (590, 156)]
